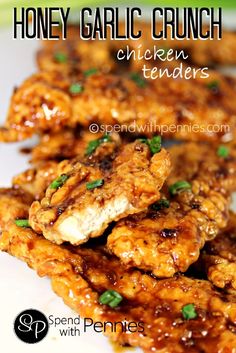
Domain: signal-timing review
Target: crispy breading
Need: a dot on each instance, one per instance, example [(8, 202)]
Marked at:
[(65, 144), (169, 240), (75, 213), (36, 180), (44, 103), (59, 146), (81, 275), (68, 144), (14, 203), (218, 258)]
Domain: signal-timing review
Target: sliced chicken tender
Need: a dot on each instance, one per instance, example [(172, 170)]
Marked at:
[(92, 197), (218, 258), (168, 240)]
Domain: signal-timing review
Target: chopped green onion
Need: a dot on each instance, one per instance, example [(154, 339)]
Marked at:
[(140, 81), (223, 151), (59, 182), (90, 72), (93, 145), (154, 143), (179, 186), (22, 223), (189, 312), (76, 88), (111, 298), (94, 184), (60, 57), (159, 205), (213, 85)]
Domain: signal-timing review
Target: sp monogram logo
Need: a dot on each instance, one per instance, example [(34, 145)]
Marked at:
[(31, 326)]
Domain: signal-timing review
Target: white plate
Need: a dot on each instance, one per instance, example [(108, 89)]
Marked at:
[(20, 287)]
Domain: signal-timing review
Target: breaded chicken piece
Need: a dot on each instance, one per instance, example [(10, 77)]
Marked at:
[(53, 148), (73, 55), (95, 194), (36, 180), (52, 101), (218, 258), (81, 275), (168, 240), (68, 144), (14, 203)]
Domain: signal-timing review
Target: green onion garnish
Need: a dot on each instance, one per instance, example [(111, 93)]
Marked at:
[(154, 143), (76, 88), (179, 186), (213, 85), (22, 223), (189, 312), (60, 57), (59, 182), (223, 151), (93, 145), (159, 205), (140, 81), (94, 184), (90, 72), (111, 298)]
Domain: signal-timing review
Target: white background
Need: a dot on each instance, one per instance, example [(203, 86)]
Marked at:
[(20, 287)]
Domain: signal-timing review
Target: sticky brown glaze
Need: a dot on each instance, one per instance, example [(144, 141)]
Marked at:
[(68, 144), (218, 258), (168, 241), (60, 146), (73, 213), (44, 104), (81, 275)]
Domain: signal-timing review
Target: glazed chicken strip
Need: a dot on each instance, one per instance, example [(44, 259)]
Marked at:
[(76, 54), (59, 146), (68, 144), (93, 195), (52, 101), (36, 180), (218, 258), (81, 275), (168, 238)]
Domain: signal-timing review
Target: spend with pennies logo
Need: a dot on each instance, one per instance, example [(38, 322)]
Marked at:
[(31, 326)]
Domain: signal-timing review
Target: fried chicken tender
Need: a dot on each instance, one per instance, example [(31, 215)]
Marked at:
[(80, 55), (59, 146), (67, 144), (45, 103), (75, 212), (80, 275), (166, 241), (218, 258), (36, 180), (14, 203)]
